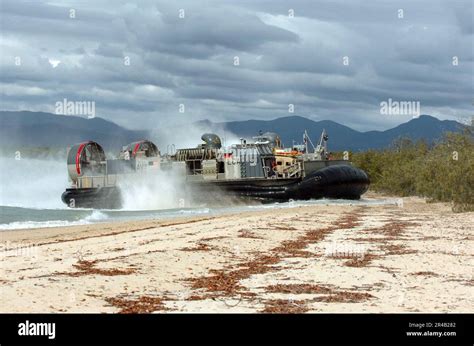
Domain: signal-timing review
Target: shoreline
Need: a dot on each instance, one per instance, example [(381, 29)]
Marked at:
[(414, 257), (31, 232)]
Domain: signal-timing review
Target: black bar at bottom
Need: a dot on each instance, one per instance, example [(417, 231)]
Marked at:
[(328, 329)]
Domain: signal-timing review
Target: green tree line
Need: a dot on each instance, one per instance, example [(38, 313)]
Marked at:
[(443, 171)]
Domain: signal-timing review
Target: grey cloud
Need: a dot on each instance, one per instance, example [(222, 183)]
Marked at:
[(282, 60)]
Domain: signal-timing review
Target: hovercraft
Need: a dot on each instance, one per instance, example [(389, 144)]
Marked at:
[(258, 169)]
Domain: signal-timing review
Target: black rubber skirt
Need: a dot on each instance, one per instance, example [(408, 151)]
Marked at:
[(98, 198), (338, 181)]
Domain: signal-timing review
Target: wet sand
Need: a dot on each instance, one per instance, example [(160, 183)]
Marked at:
[(414, 257)]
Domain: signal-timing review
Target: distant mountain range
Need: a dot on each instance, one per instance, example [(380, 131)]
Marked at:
[(38, 129), (342, 137)]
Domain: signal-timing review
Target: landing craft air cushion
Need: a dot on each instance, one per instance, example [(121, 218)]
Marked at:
[(262, 169)]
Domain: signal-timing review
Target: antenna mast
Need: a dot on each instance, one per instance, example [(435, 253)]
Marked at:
[(306, 139)]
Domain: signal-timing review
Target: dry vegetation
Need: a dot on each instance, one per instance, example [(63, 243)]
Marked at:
[(441, 172)]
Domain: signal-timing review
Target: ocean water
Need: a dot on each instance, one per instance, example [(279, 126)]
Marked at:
[(20, 218), (30, 197)]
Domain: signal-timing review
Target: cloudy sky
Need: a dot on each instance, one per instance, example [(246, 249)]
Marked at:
[(149, 63)]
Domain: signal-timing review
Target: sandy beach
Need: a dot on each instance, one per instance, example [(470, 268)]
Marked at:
[(410, 257)]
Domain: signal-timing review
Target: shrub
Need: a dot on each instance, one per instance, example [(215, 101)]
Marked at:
[(443, 171)]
